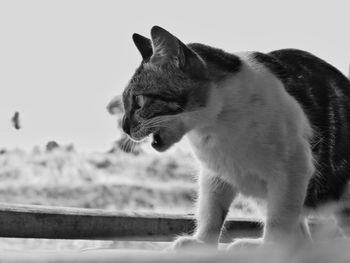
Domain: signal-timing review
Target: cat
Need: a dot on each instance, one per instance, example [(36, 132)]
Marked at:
[(273, 126)]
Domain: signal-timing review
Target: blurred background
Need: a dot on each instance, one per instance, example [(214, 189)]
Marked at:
[(61, 62)]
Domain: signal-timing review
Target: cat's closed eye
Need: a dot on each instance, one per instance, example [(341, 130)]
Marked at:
[(140, 101)]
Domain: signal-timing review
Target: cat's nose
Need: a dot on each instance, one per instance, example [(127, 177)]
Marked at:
[(126, 125)]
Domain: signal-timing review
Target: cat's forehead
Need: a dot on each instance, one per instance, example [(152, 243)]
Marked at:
[(134, 82), (149, 77), (143, 78)]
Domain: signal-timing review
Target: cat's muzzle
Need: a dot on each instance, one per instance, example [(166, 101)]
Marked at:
[(159, 139), (140, 134)]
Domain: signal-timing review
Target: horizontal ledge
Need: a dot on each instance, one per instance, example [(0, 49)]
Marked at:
[(130, 256), (30, 221), (334, 250)]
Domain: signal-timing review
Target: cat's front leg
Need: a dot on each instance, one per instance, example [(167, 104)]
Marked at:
[(284, 209), (284, 223), (287, 189), (215, 198), (286, 196)]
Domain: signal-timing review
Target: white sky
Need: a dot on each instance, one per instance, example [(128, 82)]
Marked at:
[(61, 61)]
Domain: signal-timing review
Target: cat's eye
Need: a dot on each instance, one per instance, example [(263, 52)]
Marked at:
[(140, 100)]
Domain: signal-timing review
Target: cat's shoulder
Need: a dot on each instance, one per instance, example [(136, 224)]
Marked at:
[(277, 60)]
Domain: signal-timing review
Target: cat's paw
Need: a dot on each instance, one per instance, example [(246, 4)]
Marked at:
[(187, 242), (245, 243)]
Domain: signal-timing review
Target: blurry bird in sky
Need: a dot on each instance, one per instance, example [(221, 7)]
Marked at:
[(16, 121)]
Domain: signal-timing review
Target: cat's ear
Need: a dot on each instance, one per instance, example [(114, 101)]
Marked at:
[(144, 45), (165, 45), (168, 47)]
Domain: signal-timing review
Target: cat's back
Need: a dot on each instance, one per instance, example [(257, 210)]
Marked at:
[(296, 68), (323, 92)]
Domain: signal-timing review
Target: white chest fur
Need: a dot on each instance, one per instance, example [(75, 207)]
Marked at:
[(252, 132), (232, 161)]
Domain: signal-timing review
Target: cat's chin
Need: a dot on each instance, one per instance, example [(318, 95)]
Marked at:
[(164, 138), (158, 142)]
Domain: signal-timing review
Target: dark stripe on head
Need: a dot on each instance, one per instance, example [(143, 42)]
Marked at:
[(219, 62)]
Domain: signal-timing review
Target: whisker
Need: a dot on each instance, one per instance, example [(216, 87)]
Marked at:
[(166, 121), (122, 146), (127, 146), (131, 146)]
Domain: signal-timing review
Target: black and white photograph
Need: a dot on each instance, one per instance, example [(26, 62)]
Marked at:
[(174, 131)]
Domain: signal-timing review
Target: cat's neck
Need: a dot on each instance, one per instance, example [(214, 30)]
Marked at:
[(230, 97), (240, 99)]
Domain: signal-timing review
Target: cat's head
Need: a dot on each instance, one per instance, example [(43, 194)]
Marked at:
[(167, 92)]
